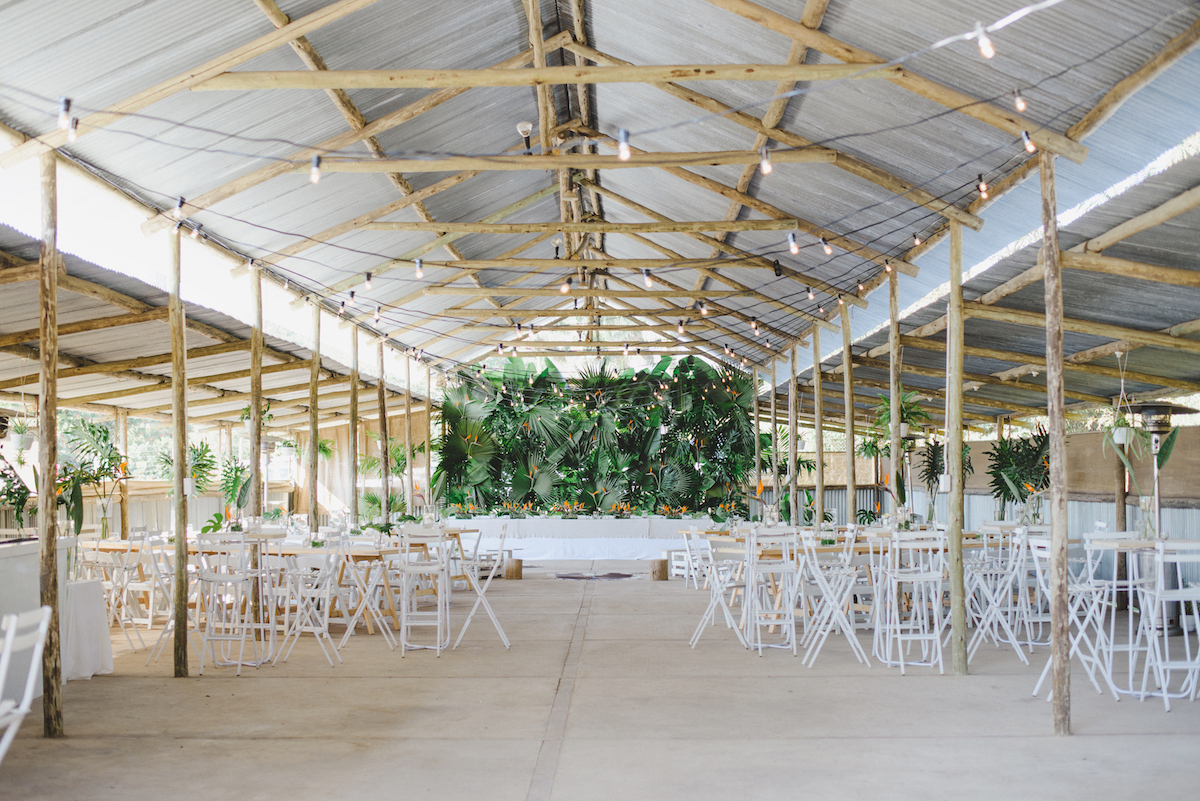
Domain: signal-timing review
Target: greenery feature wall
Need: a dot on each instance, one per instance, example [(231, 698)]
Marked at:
[(677, 435)]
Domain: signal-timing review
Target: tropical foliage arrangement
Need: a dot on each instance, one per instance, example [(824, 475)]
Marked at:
[(1019, 467), (933, 465), (676, 435)]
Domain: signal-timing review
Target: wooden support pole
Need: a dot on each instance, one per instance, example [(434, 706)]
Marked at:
[(818, 433), (793, 410), (122, 425), (385, 465), (49, 259), (1060, 633), (428, 437), (257, 495), (408, 436), (314, 377), (848, 390), (954, 443), (1121, 520), (758, 482), (897, 457), (776, 489), (179, 454), (354, 427)]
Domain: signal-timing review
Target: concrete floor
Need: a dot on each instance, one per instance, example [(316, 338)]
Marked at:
[(599, 698)]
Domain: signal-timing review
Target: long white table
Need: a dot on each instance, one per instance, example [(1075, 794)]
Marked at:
[(549, 538)]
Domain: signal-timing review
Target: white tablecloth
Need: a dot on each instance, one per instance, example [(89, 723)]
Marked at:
[(547, 538), (86, 644)]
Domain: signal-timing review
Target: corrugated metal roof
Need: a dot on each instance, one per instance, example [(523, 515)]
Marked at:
[(1064, 58)]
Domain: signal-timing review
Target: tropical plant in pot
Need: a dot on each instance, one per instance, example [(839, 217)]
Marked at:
[(235, 486), (93, 461), (264, 414), (933, 467), (1019, 469)]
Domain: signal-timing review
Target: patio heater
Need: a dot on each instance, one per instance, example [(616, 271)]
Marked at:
[(1156, 419)]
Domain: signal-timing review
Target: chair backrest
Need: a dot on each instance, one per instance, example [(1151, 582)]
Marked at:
[(1170, 560), (24, 637)]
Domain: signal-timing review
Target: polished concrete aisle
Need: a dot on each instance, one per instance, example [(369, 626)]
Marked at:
[(599, 698)]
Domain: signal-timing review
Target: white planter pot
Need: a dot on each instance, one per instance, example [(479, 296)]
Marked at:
[(944, 483), (1121, 436), (903, 430), (25, 441)]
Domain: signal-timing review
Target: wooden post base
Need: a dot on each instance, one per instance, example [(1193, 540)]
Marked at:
[(512, 569), (659, 570)]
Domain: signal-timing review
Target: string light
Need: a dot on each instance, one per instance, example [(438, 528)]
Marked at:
[(887, 266), (778, 270), (647, 280), (623, 151), (1030, 147), (985, 43), (525, 128), (983, 187), (196, 231), (916, 239), (726, 350), (342, 308), (73, 130), (703, 309), (821, 309), (566, 286), (351, 297), (367, 284), (287, 283), (1018, 101), (314, 172), (860, 287), (64, 112), (177, 213), (825, 246), (764, 160), (811, 295), (754, 326), (557, 242), (679, 328), (377, 312), (626, 353), (420, 273), (841, 300), (792, 245)]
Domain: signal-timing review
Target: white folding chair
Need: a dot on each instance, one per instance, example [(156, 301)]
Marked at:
[(1085, 604), (423, 564), (771, 588), (992, 584), (724, 566), (834, 583), (368, 582), (226, 582), (24, 637), (475, 566), (914, 568), (1170, 587), (310, 591)]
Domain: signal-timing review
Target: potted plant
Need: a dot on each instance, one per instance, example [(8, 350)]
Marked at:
[(265, 416), (95, 462), (1019, 467), (22, 433)]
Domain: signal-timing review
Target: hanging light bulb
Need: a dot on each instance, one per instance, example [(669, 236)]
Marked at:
[(623, 151), (1018, 101), (196, 232), (177, 212), (500, 349), (73, 130), (778, 270), (754, 325), (647, 280), (792, 245), (351, 297), (861, 287), (525, 128), (703, 309), (985, 42), (811, 295), (679, 328), (764, 160), (887, 266), (367, 283), (557, 242), (916, 240), (821, 309), (314, 172), (420, 273), (566, 286), (64, 112), (726, 350), (825, 246), (341, 308), (983, 187), (841, 300), (287, 283), (626, 353), (377, 311), (1030, 147)]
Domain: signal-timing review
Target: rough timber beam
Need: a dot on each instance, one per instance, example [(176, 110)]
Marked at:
[(741, 258), (1038, 320), (533, 314), (334, 144), (843, 161), (588, 227), (210, 69), (812, 229), (538, 76), (587, 293), (83, 326), (1001, 119), (572, 161)]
